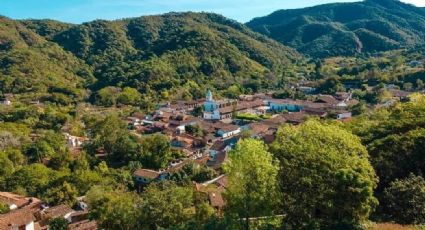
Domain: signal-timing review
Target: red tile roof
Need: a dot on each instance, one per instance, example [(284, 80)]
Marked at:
[(216, 199), (83, 225), (327, 99), (11, 198), (56, 211), (146, 173), (16, 218)]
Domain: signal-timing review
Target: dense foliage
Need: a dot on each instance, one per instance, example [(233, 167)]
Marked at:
[(39, 69), (325, 177), (89, 81), (394, 138), (346, 28), (252, 174), (158, 54), (404, 200)]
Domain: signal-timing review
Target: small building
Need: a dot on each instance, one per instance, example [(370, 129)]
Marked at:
[(327, 99), (343, 96), (74, 141), (6, 102), (83, 225), (186, 141), (18, 219), (59, 211), (275, 122), (415, 64), (16, 201), (216, 200), (146, 176), (258, 129), (280, 105), (306, 89), (295, 118), (228, 131), (340, 115), (218, 152)]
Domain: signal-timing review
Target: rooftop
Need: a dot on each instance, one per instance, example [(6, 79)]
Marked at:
[(146, 173), (57, 211), (16, 218), (18, 200)]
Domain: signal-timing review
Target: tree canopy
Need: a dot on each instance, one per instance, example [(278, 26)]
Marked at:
[(325, 176)]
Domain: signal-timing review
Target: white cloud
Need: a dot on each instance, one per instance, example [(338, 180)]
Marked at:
[(415, 2)]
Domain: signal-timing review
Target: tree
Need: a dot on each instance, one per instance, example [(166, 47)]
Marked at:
[(111, 135), (330, 86), (420, 84), (404, 200), (408, 86), (50, 144), (233, 92), (325, 177), (8, 140), (397, 155), (129, 96), (31, 178), (4, 208), (107, 96), (58, 224), (252, 184), (6, 165), (114, 209), (39, 150), (62, 194), (155, 151), (358, 109), (166, 205)]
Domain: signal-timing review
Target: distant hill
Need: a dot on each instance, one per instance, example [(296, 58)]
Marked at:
[(346, 28), (164, 52), (29, 64)]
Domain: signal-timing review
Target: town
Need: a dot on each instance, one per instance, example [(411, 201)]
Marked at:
[(204, 132), (187, 115)]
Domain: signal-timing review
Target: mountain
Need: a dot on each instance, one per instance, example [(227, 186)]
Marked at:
[(346, 28), (164, 52), (31, 65)]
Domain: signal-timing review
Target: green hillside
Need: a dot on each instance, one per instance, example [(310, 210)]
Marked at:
[(346, 28), (165, 52), (36, 68)]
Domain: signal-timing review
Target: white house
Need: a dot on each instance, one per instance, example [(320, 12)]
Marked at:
[(228, 131), (343, 115), (74, 141), (6, 102), (145, 176)]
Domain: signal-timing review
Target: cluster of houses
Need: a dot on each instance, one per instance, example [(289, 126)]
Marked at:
[(30, 213), (207, 138)]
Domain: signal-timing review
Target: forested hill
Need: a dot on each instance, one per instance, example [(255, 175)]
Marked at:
[(346, 28), (29, 64), (160, 53)]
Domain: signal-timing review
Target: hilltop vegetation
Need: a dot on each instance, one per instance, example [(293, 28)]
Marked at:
[(157, 54), (31, 65), (346, 28)]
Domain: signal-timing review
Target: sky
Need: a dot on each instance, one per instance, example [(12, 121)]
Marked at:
[(78, 11)]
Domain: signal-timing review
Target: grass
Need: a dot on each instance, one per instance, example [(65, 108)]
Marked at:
[(392, 226)]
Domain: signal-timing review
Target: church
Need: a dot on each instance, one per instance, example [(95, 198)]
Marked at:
[(211, 108)]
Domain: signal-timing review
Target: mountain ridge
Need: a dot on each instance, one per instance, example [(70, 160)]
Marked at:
[(346, 28), (163, 53)]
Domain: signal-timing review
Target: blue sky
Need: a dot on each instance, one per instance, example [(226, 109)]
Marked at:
[(77, 11)]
